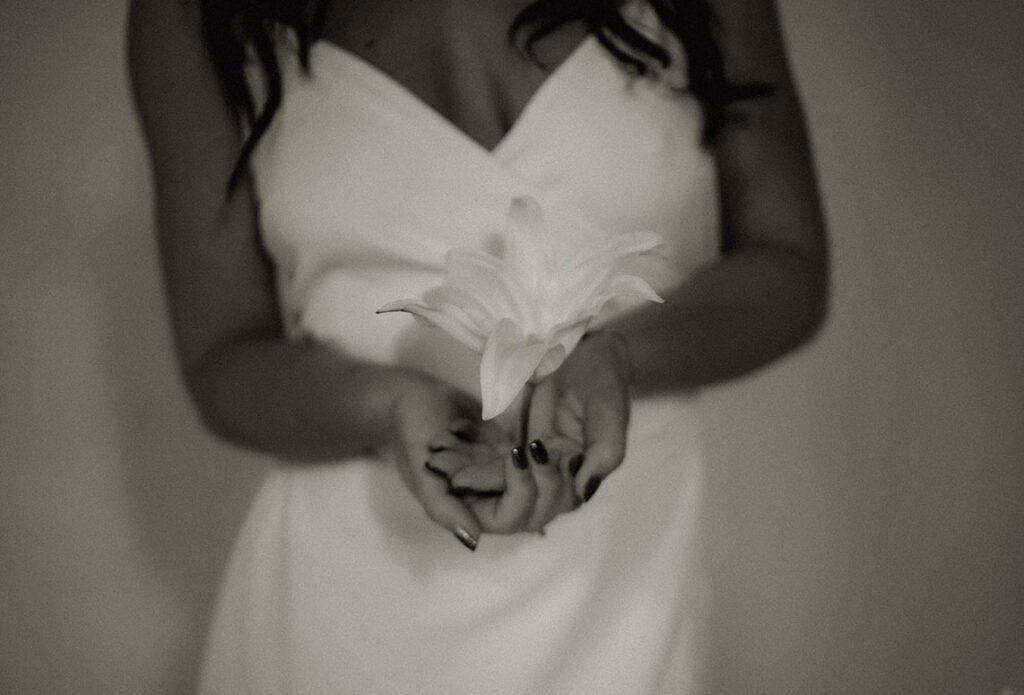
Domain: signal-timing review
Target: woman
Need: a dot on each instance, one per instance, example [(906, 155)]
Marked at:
[(381, 135)]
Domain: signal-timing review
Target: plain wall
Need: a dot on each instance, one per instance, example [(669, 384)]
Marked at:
[(866, 495)]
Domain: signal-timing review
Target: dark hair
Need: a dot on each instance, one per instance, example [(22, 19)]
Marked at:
[(231, 25)]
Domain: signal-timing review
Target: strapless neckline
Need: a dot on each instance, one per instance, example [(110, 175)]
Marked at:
[(391, 88)]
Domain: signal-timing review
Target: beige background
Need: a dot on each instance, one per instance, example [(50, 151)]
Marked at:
[(866, 501)]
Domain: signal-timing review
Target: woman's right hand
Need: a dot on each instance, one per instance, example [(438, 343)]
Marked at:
[(421, 410)]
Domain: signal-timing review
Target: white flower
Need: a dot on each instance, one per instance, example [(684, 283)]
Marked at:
[(526, 312)]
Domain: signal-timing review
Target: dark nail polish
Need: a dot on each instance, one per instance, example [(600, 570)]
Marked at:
[(466, 538), (575, 463), (519, 458), (591, 488), (435, 470), (540, 453)]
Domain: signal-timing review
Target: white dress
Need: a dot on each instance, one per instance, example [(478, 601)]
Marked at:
[(339, 583)]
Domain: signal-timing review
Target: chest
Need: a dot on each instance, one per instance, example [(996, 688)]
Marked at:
[(454, 55)]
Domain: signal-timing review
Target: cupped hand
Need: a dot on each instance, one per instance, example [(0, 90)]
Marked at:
[(574, 434), (579, 414), (486, 466), (421, 409)]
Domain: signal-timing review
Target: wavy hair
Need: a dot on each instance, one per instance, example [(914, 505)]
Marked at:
[(229, 26)]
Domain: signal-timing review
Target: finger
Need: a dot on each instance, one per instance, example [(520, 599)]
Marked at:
[(480, 477), (447, 463), (605, 421), (464, 429), (510, 512), (543, 444), (554, 489), (568, 417), (448, 511), (448, 440), (540, 412), (553, 414)]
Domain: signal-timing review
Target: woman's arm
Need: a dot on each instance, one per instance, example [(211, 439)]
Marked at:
[(768, 293), (299, 400), (765, 296)]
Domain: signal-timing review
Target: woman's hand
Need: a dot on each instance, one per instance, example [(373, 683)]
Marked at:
[(578, 417), (485, 465), (421, 410), (576, 434)]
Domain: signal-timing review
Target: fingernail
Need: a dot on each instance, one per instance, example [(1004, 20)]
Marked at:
[(465, 537), (540, 454), (591, 488), (519, 458), (436, 449), (575, 463)]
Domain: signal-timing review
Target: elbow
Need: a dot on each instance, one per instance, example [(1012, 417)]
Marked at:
[(216, 415), (218, 396), (810, 299)]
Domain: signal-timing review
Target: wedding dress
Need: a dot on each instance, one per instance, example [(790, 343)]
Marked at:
[(339, 583)]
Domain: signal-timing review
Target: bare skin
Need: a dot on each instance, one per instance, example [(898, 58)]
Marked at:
[(305, 401)]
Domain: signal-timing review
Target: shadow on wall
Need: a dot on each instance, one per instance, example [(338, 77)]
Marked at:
[(188, 492)]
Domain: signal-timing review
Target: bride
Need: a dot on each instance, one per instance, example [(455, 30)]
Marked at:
[(506, 170)]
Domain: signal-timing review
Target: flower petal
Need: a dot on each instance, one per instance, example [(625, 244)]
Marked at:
[(507, 364), (525, 263), (623, 286), (481, 276), (445, 319), (623, 246)]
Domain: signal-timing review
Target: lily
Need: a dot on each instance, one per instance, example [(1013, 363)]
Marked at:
[(526, 310)]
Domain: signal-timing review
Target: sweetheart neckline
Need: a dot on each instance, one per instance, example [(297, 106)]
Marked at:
[(400, 90)]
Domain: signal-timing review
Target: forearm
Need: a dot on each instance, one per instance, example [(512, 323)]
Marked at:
[(299, 400), (733, 317)]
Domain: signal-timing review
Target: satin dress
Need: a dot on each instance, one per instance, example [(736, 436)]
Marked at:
[(339, 583)]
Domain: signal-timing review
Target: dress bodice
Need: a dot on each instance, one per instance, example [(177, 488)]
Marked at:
[(363, 187)]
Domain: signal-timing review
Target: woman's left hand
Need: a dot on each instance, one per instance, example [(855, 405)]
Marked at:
[(575, 436), (578, 415)]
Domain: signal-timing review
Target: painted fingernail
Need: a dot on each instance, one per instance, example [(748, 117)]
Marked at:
[(540, 453), (435, 470), (519, 458), (574, 464), (465, 537), (591, 488)]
